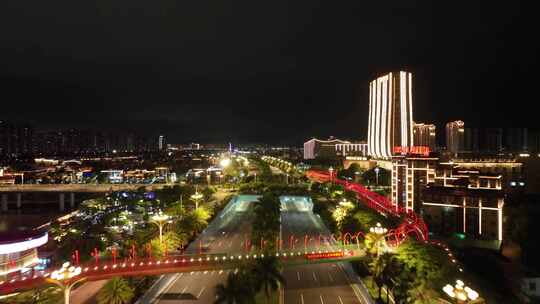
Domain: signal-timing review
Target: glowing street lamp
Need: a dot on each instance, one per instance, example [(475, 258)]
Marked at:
[(356, 174), (196, 197), (377, 169), (225, 162), (380, 232), (378, 229), (331, 171), (66, 278), (160, 220), (460, 292)]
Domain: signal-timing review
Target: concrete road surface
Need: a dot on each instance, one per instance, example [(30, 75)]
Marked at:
[(306, 284), (316, 283), (225, 234)]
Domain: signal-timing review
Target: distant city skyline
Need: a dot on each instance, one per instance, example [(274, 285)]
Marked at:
[(284, 73)]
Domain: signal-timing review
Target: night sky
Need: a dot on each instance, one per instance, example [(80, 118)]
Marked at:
[(262, 71)]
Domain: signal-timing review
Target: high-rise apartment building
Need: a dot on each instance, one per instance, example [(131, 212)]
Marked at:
[(424, 135), (455, 133), (16, 139), (516, 140), (161, 143), (390, 114)]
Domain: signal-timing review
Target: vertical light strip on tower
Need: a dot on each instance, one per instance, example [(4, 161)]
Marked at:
[(370, 118), (410, 111), (390, 123), (373, 117), (378, 120), (384, 116), (402, 97)]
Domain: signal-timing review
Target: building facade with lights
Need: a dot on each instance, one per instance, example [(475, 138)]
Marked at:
[(424, 135), (316, 148), (410, 175), (390, 122), (19, 250), (352, 149), (455, 132), (464, 201)]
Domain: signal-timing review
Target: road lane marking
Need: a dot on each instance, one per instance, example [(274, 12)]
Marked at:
[(220, 272), (191, 273), (340, 301), (330, 276), (185, 288), (314, 276), (200, 292), (205, 272), (320, 297), (357, 291), (298, 275), (302, 298)]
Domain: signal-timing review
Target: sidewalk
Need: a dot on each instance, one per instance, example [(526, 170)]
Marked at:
[(86, 293)]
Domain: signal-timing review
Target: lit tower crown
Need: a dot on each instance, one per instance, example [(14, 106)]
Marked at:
[(390, 114)]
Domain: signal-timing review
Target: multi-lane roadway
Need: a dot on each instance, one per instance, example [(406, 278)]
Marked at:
[(316, 283), (313, 283)]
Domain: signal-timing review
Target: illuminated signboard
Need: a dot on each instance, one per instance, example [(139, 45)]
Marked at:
[(324, 255), (417, 150)]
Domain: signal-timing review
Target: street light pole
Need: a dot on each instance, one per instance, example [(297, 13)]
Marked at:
[(380, 232), (160, 220), (65, 279), (460, 292), (377, 176), (196, 197)]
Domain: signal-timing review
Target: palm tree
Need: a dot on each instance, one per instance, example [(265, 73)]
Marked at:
[(267, 275), (378, 267), (372, 241), (392, 270), (237, 290), (195, 221), (115, 291)]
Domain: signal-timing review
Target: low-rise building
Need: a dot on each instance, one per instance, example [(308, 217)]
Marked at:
[(316, 148), (466, 202), (18, 250)]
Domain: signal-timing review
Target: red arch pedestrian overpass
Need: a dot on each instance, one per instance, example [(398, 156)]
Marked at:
[(105, 269), (412, 224)]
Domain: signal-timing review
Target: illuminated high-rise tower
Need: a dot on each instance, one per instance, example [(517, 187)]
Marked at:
[(424, 135), (161, 143), (455, 131), (390, 114)]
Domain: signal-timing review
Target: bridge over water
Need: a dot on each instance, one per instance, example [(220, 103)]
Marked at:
[(15, 192)]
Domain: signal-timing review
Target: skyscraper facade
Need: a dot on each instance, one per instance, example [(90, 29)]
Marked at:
[(161, 143), (390, 122), (424, 135), (455, 136)]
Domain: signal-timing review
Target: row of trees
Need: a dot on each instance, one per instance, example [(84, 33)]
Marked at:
[(92, 230), (379, 176), (267, 211), (186, 225), (414, 273), (242, 287)]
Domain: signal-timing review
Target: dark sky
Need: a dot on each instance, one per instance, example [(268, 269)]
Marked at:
[(262, 70)]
